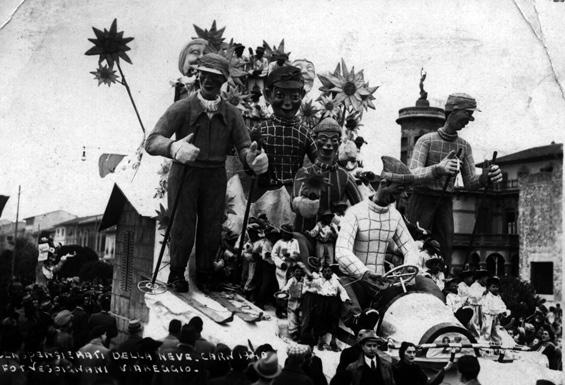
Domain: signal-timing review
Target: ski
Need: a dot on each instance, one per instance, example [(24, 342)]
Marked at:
[(218, 316), (239, 308)]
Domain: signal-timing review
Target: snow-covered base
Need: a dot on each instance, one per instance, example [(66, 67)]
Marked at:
[(167, 306)]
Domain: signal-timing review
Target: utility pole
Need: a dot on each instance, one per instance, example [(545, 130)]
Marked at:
[(16, 233)]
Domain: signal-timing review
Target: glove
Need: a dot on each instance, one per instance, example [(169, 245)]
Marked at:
[(183, 151), (448, 165), (257, 160)]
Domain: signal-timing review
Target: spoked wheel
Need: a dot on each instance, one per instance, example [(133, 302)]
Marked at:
[(146, 286), (401, 275)]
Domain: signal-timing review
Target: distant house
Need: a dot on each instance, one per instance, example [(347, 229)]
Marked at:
[(45, 223), (7, 230), (84, 231)]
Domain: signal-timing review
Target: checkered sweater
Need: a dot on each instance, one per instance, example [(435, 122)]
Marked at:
[(286, 143), (430, 149), (366, 230)]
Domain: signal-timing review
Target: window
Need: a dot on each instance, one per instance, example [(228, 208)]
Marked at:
[(542, 277), (511, 222), (523, 171)]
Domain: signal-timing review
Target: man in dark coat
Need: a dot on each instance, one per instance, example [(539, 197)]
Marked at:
[(206, 128), (103, 318), (371, 368)]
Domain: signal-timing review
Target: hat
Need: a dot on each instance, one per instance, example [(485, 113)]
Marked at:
[(214, 63), (238, 45), (396, 171), (461, 102), (260, 50), (63, 318), (326, 212), (268, 366), (493, 280), (432, 245), (134, 326), (183, 65), (327, 125), (340, 203), (367, 335), (285, 77), (433, 261), (314, 263), (466, 273), (298, 350), (287, 229), (481, 273)]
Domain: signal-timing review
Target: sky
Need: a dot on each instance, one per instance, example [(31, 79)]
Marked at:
[(50, 105)]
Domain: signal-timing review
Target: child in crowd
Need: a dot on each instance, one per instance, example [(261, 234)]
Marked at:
[(476, 292), (339, 211), (294, 288), (325, 318), (325, 234), (285, 254), (492, 306), (457, 303)]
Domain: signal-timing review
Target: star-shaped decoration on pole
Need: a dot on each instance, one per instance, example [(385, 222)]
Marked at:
[(110, 45), (105, 75)]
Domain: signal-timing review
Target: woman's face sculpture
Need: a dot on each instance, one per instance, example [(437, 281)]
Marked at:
[(308, 72)]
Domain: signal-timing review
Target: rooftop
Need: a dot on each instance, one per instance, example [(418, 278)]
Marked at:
[(82, 220), (551, 151)]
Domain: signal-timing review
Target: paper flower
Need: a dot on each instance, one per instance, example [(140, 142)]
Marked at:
[(214, 36), (309, 114), (330, 107), (110, 45), (349, 87), (105, 75)]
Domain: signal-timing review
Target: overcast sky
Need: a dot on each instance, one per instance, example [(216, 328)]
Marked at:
[(50, 106)]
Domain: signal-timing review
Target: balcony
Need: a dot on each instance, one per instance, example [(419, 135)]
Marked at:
[(491, 241)]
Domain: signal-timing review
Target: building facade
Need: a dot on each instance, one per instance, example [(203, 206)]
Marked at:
[(45, 224), (84, 231)]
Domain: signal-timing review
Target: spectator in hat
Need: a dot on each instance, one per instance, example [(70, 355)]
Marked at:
[(366, 230), (468, 368), (292, 372), (259, 69), (63, 321), (492, 307), (199, 157), (433, 162), (407, 372), (371, 366), (285, 254), (325, 234), (171, 341), (334, 184), (286, 142), (267, 368), (135, 331), (104, 318)]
